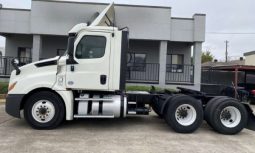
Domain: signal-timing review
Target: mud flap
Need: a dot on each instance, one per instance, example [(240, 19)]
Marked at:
[(251, 122), (251, 117)]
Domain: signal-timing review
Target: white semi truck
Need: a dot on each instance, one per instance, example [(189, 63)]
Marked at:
[(89, 82)]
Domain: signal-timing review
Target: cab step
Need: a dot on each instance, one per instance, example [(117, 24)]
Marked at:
[(139, 111), (94, 99), (93, 116)]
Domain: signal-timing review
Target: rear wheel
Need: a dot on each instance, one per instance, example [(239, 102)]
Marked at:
[(184, 114), (228, 117), (157, 106), (44, 110), (208, 107)]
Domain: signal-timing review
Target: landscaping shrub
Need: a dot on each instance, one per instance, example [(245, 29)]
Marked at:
[(3, 87)]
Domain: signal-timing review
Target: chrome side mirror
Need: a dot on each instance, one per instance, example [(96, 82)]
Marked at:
[(15, 63)]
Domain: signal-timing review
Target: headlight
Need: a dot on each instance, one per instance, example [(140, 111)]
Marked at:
[(11, 86)]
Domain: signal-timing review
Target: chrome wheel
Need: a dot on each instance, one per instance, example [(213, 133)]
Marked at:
[(230, 117), (185, 115), (43, 111)]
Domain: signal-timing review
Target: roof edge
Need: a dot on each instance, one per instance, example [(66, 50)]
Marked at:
[(94, 3), (181, 18), (249, 53), (17, 9), (199, 14)]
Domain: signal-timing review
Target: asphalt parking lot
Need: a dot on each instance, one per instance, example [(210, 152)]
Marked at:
[(141, 134)]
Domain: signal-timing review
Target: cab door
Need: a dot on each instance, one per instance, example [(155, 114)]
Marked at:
[(92, 55)]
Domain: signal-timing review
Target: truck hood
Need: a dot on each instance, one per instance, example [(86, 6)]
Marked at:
[(44, 70), (42, 63)]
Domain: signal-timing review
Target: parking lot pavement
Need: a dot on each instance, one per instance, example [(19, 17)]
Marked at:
[(135, 134)]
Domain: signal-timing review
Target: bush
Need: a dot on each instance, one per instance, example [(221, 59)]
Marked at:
[(138, 88), (3, 87)]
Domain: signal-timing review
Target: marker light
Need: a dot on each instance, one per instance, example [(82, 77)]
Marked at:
[(11, 86), (253, 92)]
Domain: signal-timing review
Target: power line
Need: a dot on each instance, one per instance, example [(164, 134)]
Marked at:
[(231, 33)]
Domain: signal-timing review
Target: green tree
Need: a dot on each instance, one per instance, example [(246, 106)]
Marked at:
[(207, 56)]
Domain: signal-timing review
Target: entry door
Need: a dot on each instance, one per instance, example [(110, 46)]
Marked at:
[(92, 53)]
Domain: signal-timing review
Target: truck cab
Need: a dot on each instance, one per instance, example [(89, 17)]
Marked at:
[(89, 79), (94, 61)]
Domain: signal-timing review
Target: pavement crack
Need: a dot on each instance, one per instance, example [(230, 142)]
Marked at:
[(5, 121)]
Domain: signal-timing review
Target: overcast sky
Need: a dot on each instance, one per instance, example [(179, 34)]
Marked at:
[(232, 20)]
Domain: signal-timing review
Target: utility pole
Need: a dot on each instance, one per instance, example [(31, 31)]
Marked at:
[(226, 54)]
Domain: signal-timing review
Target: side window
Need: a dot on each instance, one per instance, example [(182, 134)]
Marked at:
[(91, 47), (175, 59), (175, 63), (136, 61)]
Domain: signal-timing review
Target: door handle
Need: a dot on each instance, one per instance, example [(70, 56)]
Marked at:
[(103, 79), (72, 68)]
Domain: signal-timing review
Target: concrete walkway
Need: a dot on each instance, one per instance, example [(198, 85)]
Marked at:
[(146, 134)]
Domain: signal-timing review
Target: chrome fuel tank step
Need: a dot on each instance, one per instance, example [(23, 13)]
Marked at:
[(93, 116), (100, 106)]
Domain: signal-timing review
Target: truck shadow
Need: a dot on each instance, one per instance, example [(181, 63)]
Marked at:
[(136, 123), (130, 124), (152, 122)]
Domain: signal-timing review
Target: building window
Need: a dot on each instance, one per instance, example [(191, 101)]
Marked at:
[(175, 63), (24, 55), (61, 52), (136, 61), (91, 47)]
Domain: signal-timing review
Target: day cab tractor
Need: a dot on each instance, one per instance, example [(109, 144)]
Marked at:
[(89, 82)]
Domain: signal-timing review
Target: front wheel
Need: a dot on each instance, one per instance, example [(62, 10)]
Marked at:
[(44, 110)]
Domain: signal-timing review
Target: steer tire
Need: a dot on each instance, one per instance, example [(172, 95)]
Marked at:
[(193, 105), (48, 100), (216, 117)]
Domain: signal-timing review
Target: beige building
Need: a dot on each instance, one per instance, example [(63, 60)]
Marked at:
[(161, 45), (249, 58)]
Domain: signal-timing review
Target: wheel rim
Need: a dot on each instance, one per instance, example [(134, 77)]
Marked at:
[(185, 115), (43, 111), (230, 117)]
